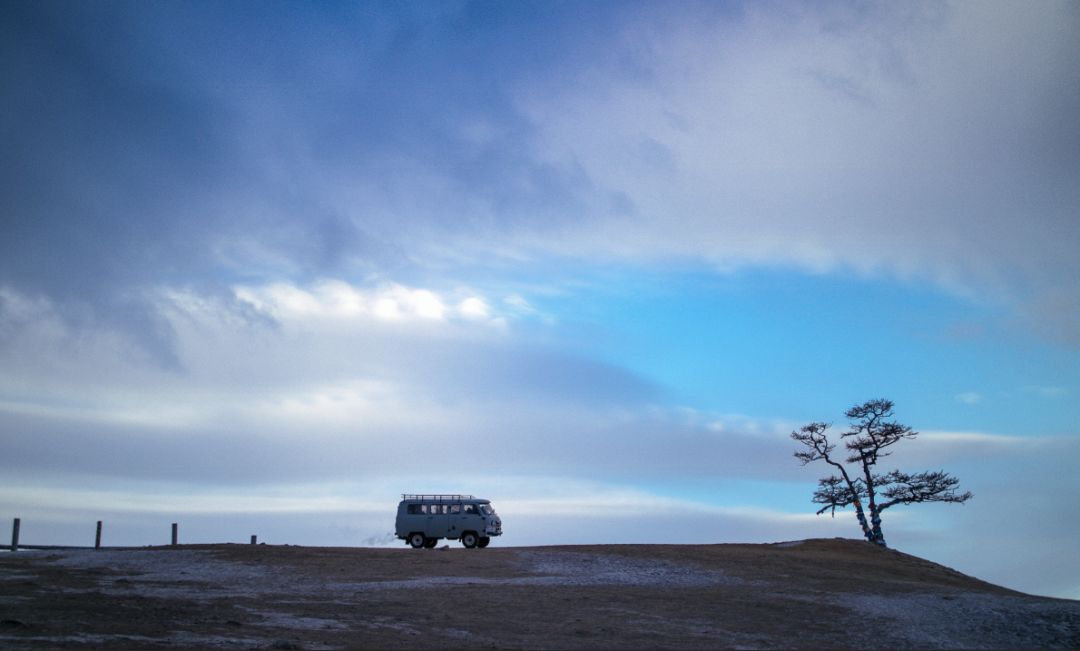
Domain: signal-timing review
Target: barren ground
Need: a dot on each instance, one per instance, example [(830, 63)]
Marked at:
[(791, 595)]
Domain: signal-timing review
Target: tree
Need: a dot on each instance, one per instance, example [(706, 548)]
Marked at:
[(867, 441)]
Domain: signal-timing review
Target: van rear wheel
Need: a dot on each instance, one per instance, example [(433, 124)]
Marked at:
[(469, 539), (430, 543), (416, 540)]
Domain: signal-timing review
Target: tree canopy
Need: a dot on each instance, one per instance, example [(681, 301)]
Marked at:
[(871, 434)]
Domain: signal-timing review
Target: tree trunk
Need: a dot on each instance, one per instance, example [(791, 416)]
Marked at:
[(875, 536), (875, 520), (862, 521)]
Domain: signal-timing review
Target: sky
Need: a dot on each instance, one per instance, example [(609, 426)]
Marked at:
[(266, 266)]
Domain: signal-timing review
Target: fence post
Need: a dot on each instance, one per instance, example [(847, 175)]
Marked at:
[(174, 534), (15, 535), (97, 536), (253, 539)]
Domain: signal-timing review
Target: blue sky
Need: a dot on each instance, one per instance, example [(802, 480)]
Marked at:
[(265, 267), (828, 336)]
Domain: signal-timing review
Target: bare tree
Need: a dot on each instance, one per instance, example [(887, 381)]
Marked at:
[(867, 441)]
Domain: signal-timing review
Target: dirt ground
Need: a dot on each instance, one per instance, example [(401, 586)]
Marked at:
[(805, 594)]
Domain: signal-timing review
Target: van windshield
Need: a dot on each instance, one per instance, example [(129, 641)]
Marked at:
[(486, 509)]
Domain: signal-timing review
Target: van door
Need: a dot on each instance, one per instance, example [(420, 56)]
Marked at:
[(437, 525), (465, 517)]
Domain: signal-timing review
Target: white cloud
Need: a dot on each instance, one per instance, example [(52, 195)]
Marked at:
[(1047, 392), (18, 308), (474, 307), (425, 304), (518, 303), (900, 140), (969, 397), (331, 300)]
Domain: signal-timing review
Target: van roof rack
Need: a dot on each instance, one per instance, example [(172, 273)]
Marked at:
[(429, 497)]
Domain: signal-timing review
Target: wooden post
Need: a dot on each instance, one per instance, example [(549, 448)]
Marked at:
[(253, 539), (15, 535), (174, 526), (97, 537)]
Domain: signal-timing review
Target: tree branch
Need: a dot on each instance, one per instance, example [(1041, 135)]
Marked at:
[(931, 486), (836, 493)]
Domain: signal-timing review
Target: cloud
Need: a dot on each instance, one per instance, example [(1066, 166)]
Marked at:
[(340, 301), (1047, 392), (969, 397), (921, 139), (927, 142), (285, 373), (316, 384)]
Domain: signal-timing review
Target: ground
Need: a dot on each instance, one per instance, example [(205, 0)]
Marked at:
[(805, 594)]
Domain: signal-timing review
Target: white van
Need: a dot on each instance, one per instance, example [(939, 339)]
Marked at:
[(423, 519)]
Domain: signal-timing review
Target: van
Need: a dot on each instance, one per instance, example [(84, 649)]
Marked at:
[(423, 519)]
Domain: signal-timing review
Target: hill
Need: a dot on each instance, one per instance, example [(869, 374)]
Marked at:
[(806, 594)]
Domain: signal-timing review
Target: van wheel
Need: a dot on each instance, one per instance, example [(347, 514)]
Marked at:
[(469, 539), (483, 542), (416, 540), (429, 543)]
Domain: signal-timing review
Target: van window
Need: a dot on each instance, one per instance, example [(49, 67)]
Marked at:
[(470, 509)]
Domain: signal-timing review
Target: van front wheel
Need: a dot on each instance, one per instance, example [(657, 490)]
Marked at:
[(483, 542), (416, 540), (469, 539)]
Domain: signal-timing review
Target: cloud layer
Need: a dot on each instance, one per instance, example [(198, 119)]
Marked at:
[(934, 142)]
